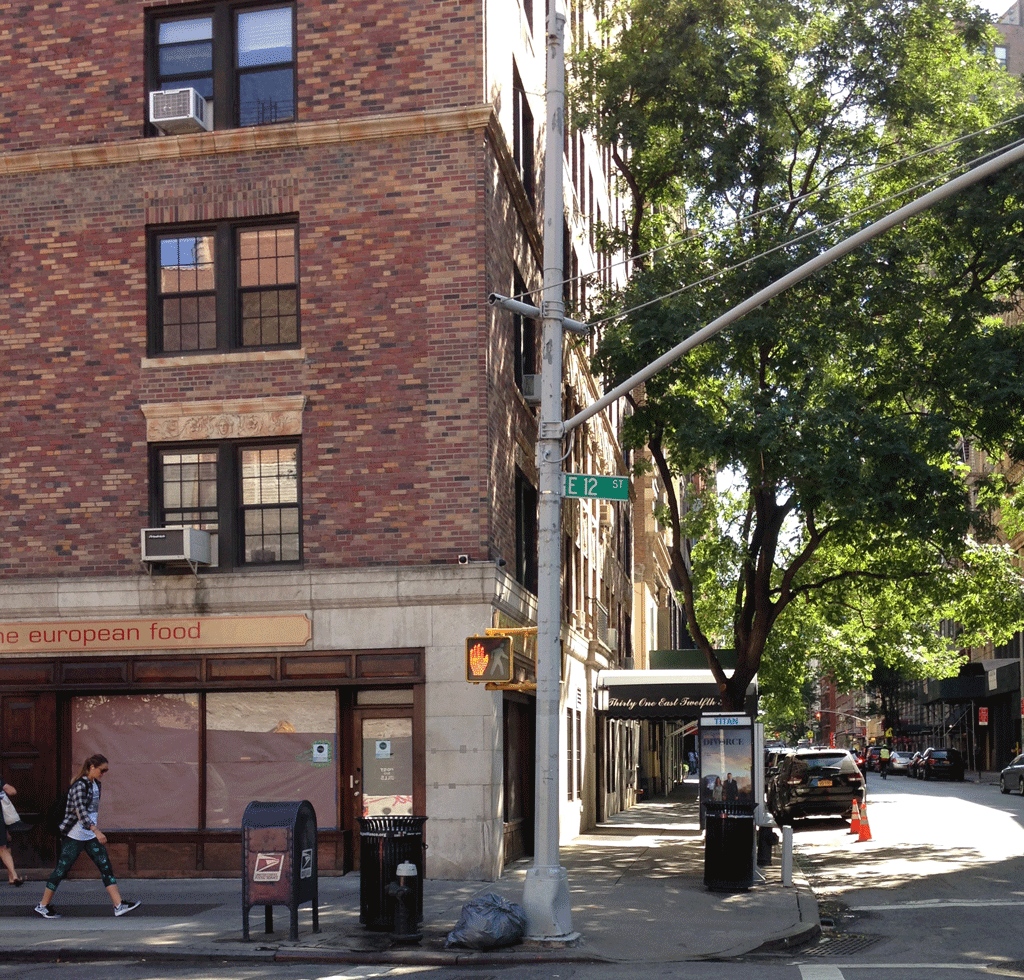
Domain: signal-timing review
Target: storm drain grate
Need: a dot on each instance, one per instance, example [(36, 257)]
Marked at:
[(840, 945)]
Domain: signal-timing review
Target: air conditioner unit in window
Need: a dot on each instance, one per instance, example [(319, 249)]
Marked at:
[(180, 110), (531, 388), (176, 546)]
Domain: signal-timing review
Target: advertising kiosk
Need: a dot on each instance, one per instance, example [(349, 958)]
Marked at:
[(731, 790)]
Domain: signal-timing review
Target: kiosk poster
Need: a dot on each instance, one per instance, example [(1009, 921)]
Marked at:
[(727, 759)]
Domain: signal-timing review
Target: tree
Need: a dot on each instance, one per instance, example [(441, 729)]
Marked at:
[(752, 137)]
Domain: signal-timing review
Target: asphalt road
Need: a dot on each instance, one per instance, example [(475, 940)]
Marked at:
[(937, 892)]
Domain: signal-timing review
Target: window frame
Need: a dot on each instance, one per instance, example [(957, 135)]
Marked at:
[(524, 335), (228, 287), (225, 72), (523, 136), (230, 508), (527, 568)]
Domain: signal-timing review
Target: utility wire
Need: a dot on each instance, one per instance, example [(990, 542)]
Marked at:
[(689, 239)]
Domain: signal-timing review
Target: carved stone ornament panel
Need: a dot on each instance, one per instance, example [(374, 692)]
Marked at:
[(196, 421)]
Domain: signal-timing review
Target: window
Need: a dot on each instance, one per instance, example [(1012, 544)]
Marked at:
[(569, 755), (526, 533), (524, 336), (245, 494), (239, 57), (522, 134), (224, 287)]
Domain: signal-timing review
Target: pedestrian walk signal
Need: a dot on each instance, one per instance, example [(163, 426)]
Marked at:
[(489, 658)]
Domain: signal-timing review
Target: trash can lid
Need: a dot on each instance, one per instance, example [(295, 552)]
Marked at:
[(406, 870)]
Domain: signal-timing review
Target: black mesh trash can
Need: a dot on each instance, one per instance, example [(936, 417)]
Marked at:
[(384, 844), (728, 846)]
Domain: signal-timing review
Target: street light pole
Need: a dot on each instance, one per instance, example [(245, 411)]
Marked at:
[(546, 889)]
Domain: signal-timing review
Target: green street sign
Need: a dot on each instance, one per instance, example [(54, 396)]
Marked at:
[(595, 487)]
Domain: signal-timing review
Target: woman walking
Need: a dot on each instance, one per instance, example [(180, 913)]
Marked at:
[(5, 847), (79, 833)]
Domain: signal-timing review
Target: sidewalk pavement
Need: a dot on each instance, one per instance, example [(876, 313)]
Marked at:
[(636, 887)]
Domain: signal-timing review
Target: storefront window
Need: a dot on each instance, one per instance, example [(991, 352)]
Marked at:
[(152, 743), (273, 745)]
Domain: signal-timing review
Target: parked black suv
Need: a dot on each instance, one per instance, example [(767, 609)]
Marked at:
[(941, 764), (815, 782)]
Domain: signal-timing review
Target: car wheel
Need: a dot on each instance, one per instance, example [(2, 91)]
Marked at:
[(1002, 785)]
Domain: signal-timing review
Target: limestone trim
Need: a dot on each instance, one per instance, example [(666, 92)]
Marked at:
[(219, 360), (241, 419), (254, 139)]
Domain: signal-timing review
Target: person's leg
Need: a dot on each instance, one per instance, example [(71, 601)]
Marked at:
[(101, 859), (69, 851), (8, 861)]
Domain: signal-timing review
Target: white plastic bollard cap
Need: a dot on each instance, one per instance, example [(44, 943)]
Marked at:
[(406, 870)]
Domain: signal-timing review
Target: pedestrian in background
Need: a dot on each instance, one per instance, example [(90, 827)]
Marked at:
[(6, 857), (79, 833)]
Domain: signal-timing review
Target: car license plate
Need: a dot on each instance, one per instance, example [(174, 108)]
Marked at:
[(821, 782)]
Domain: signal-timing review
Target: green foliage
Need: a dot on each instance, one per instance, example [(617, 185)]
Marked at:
[(777, 130)]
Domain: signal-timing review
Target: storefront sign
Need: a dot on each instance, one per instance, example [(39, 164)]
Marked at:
[(208, 632)]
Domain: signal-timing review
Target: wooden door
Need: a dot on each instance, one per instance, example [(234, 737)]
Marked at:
[(29, 750)]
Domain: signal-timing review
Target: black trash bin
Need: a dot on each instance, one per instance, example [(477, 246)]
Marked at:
[(384, 844), (728, 846), (279, 861)]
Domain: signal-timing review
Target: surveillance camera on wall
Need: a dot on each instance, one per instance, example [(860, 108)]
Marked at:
[(463, 559)]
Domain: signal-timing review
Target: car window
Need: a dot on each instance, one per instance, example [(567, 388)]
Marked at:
[(832, 761)]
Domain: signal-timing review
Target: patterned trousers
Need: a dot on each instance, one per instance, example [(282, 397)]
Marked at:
[(70, 852)]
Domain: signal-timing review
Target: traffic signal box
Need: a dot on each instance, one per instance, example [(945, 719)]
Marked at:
[(489, 659)]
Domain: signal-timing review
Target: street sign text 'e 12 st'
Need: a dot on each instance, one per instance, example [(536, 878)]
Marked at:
[(595, 487)]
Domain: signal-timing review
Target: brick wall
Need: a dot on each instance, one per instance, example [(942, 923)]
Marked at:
[(410, 426), (80, 76)]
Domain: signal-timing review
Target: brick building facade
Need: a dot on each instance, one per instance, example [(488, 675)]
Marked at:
[(275, 329)]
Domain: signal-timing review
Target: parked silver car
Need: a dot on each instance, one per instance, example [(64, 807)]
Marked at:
[(1012, 777), (899, 763)]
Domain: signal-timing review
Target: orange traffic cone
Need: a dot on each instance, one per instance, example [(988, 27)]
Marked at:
[(855, 819), (865, 827)]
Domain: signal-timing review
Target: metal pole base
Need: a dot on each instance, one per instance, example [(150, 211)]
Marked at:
[(546, 903)]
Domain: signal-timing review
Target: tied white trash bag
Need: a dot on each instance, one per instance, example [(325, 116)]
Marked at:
[(488, 922)]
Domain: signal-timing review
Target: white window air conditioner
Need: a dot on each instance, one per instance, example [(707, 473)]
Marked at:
[(176, 546), (531, 388), (612, 639), (180, 110)]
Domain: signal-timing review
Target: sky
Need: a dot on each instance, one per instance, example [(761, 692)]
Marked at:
[(997, 7)]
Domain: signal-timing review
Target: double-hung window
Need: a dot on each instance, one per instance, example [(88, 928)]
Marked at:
[(245, 494), (239, 57), (224, 287)]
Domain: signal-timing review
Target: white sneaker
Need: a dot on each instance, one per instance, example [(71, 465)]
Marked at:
[(124, 908), (47, 911)]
